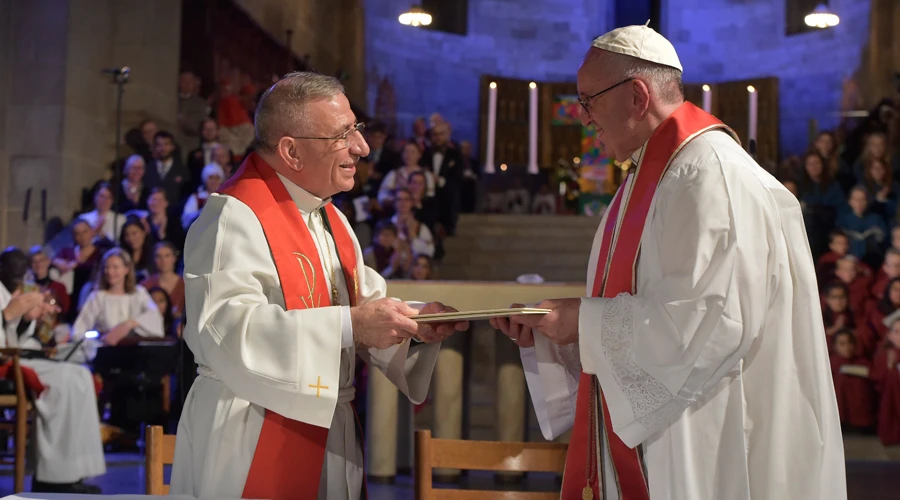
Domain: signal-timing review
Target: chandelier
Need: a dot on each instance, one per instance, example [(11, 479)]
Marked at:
[(822, 17), (415, 16)]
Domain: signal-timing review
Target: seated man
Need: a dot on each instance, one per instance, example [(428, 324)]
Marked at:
[(68, 442)]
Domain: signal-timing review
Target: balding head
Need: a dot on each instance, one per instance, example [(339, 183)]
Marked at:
[(282, 109)]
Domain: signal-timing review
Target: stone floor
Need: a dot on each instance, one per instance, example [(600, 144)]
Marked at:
[(875, 479)]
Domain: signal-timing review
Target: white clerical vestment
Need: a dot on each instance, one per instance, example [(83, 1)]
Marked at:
[(718, 366), (68, 444), (270, 358)]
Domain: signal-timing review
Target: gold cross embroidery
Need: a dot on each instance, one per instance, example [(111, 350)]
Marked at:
[(318, 386)]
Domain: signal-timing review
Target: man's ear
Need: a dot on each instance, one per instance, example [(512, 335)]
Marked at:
[(290, 154)]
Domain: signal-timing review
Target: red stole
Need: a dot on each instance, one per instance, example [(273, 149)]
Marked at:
[(616, 273), (288, 460)]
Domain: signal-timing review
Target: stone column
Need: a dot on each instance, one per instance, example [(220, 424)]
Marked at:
[(510, 396), (448, 394), (381, 423)]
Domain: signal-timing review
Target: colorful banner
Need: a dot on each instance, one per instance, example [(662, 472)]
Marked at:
[(566, 110)]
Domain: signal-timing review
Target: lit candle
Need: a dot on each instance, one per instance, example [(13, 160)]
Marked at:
[(754, 103), (492, 128), (532, 128), (707, 99)]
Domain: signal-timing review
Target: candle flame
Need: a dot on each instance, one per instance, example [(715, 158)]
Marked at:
[(706, 88), (503, 167), (532, 85), (493, 85), (751, 88)]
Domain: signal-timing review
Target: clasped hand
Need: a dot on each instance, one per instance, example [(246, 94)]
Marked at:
[(386, 322), (560, 325)]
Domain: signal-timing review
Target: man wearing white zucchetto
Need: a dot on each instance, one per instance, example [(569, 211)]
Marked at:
[(695, 367)]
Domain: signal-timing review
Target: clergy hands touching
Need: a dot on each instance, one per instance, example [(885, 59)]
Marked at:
[(560, 325), (436, 332), (383, 323)]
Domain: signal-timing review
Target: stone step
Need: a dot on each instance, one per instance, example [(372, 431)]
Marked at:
[(526, 231), (471, 220), (562, 259), (505, 272), (531, 243)]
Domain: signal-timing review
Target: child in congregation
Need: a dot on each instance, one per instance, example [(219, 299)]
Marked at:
[(890, 269), (886, 377), (847, 273), (836, 313), (873, 325), (866, 230), (852, 386)]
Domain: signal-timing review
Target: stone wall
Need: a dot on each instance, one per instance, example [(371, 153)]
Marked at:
[(430, 71), (734, 40), (331, 32), (57, 111)]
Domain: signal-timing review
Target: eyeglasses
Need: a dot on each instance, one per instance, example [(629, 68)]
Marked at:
[(343, 137), (586, 102)]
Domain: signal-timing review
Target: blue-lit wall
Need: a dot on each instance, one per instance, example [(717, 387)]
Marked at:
[(727, 40), (543, 40), (717, 40)]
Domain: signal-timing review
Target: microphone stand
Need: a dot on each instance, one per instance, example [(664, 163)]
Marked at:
[(120, 77)]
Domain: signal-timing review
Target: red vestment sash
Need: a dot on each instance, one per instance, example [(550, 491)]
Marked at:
[(616, 273), (287, 463)]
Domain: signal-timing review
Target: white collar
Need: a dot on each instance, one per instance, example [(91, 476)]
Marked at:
[(305, 201), (638, 155)]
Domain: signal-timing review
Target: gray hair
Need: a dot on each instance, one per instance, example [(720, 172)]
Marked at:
[(283, 106), (664, 81)]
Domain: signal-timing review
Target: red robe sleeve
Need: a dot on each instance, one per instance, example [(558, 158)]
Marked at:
[(854, 393), (889, 410)]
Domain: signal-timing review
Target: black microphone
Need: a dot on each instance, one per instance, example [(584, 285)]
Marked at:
[(124, 70)]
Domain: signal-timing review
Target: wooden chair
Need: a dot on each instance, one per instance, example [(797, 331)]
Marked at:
[(160, 451), (483, 455), (19, 401)]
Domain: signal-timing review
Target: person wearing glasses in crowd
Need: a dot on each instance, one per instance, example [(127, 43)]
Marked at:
[(695, 367), (279, 303)]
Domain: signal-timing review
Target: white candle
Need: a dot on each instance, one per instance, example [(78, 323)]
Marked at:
[(532, 128), (707, 99), (754, 103), (492, 128)]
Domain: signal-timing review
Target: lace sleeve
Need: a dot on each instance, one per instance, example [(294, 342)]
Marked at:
[(651, 402)]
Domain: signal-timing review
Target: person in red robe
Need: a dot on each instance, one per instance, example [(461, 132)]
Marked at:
[(838, 246), (836, 313), (873, 329), (890, 269), (886, 377), (847, 271), (852, 385)]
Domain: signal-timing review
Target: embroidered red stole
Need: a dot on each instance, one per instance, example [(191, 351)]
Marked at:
[(616, 273), (288, 460)]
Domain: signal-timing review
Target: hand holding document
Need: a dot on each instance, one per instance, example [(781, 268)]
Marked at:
[(478, 315)]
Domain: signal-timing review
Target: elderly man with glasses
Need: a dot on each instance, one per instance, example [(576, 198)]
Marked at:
[(279, 304), (695, 367)]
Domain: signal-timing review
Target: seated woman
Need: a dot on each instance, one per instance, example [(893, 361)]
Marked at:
[(138, 242), (399, 178), (410, 229), (821, 198), (881, 189), (79, 259), (104, 221), (118, 307), (212, 176), (67, 430), (165, 257), (133, 192)]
